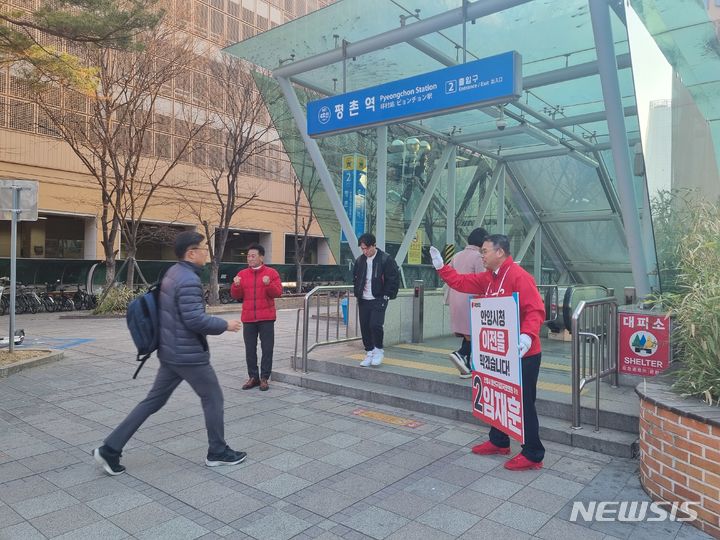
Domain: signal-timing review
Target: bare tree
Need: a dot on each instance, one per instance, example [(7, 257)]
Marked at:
[(245, 132), (305, 187), (115, 146)]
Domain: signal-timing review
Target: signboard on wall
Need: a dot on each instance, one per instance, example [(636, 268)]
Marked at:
[(354, 190), (644, 344), (415, 249), (496, 79), (497, 371)]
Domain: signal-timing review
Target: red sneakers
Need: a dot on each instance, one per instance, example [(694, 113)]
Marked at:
[(521, 463), (487, 448)]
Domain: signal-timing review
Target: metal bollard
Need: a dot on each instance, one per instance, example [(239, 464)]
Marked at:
[(418, 302)]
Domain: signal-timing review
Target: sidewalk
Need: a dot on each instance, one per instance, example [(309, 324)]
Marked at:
[(319, 466)]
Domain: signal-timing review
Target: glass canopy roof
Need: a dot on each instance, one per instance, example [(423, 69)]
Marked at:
[(525, 28), (561, 109)]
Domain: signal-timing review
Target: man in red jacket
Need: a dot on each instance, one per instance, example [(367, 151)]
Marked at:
[(502, 278), (257, 286)]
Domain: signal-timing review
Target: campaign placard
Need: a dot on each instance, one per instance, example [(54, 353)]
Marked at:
[(643, 343), (497, 371)]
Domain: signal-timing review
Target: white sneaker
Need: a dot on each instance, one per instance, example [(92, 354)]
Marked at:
[(368, 358), (378, 356)]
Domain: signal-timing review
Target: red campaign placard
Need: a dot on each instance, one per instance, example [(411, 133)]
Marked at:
[(643, 343), (498, 403)]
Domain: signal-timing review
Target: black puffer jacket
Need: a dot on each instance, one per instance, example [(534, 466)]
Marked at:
[(385, 280), (183, 321)]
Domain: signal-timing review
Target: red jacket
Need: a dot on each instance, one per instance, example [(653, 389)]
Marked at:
[(510, 278), (258, 298)]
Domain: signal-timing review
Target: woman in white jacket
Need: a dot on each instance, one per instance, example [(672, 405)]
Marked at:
[(468, 261)]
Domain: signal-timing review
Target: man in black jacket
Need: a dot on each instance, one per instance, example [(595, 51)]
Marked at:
[(376, 281), (184, 356)]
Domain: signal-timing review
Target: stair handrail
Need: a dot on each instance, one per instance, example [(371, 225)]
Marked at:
[(315, 293), (602, 313)]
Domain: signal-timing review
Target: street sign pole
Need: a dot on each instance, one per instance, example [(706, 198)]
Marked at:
[(15, 210)]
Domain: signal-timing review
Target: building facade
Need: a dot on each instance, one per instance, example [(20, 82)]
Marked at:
[(69, 201)]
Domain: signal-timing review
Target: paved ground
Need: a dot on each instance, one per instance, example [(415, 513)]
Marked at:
[(318, 466)]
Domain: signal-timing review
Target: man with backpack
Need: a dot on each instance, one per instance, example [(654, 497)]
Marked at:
[(376, 280), (184, 356)]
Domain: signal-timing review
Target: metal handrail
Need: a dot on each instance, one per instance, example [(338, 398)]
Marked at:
[(305, 310), (593, 321), (543, 290)]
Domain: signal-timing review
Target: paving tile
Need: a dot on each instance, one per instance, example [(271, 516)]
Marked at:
[(448, 519), (65, 520), (405, 504), (491, 530), (8, 516), (12, 471), (232, 507), (536, 499), (495, 487), (25, 488), (101, 529), (375, 522), (472, 502), (276, 526), (416, 531), (343, 458), (204, 493), (179, 528), (283, 485), (554, 484), (324, 502), (286, 461), (143, 517), (21, 531), (432, 488), (558, 529), (519, 517), (118, 503), (44, 504)]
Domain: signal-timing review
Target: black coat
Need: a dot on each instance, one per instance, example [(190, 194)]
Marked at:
[(385, 280), (183, 321)]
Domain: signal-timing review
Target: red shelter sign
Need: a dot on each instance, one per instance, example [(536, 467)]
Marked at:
[(644, 344)]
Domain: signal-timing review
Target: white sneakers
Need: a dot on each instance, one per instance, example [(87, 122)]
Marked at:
[(373, 358), (368, 359)]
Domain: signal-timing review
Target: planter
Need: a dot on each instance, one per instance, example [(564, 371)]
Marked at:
[(680, 452)]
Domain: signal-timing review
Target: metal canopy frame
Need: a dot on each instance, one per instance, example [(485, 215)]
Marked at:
[(553, 136)]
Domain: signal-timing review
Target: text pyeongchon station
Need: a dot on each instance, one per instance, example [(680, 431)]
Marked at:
[(496, 79)]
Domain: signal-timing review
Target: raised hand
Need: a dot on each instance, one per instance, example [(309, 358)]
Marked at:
[(437, 260)]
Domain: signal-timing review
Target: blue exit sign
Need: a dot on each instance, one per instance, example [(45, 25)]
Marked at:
[(496, 79)]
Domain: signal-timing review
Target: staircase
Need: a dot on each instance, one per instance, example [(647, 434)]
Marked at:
[(420, 378)]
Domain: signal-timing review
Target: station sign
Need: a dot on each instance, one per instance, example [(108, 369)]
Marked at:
[(488, 81)]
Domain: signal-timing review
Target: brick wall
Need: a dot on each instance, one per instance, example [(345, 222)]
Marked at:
[(680, 461)]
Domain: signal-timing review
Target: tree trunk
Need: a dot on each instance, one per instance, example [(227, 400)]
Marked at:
[(299, 276), (214, 297), (109, 270), (130, 279)]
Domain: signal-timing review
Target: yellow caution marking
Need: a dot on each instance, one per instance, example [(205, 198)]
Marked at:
[(387, 418), (551, 387)]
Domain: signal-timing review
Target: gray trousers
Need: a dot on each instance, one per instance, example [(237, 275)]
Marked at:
[(203, 381)]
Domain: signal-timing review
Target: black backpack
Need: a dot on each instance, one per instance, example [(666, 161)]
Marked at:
[(143, 320)]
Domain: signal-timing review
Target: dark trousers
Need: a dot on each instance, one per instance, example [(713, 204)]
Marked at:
[(533, 449), (372, 318), (266, 331), (202, 380), (465, 348)]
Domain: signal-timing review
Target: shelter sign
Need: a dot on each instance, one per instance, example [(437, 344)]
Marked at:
[(497, 371), (496, 79), (644, 344), (354, 189)]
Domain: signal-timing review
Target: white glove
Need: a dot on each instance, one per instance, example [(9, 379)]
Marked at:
[(525, 342), (437, 259)]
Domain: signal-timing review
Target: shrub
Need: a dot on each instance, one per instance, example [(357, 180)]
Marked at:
[(695, 304), (116, 300)]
